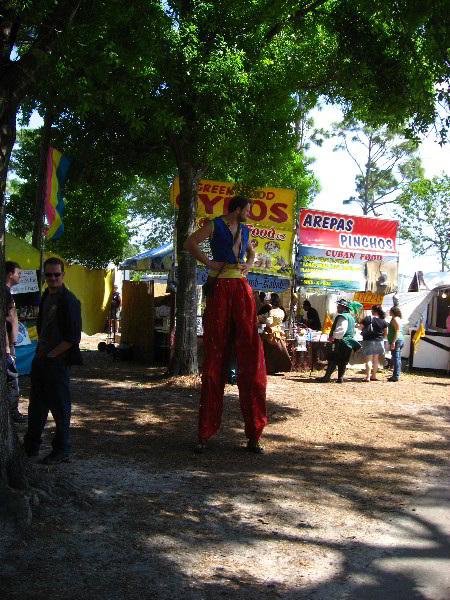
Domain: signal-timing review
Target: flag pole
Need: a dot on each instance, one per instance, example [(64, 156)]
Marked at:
[(41, 190)]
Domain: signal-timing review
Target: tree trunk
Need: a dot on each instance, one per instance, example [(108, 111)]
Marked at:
[(46, 135), (16, 471), (17, 79), (184, 360)]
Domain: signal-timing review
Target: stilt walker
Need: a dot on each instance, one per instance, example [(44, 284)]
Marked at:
[(230, 305)]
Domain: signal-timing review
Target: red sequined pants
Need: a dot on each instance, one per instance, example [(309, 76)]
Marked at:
[(232, 303)]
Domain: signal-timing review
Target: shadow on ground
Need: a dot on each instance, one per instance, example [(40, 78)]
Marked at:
[(165, 523)]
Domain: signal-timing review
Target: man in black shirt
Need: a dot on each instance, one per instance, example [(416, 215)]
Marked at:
[(59, 331), (312, 317)]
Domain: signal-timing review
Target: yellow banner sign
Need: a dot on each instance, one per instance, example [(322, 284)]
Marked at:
[(368, 299), (272, 246), (271, 207)]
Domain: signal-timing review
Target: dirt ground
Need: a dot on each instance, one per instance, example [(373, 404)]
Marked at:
[(152, 519)]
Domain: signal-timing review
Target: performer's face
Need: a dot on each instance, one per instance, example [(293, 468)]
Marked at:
[(243, 213)]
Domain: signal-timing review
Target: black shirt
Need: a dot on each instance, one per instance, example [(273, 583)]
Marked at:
[(9, 303), (313, 319), (378, 326), (116, 300)]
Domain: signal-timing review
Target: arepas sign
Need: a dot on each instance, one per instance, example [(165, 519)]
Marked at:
[(349, 234)]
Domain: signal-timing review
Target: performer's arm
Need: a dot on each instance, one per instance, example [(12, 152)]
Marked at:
[(192, 246), (250, 258)]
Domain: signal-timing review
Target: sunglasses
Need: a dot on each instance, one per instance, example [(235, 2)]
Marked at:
[(49, 275)]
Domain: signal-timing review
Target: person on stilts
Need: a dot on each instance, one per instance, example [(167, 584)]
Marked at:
[(230, 307), (342, 336)]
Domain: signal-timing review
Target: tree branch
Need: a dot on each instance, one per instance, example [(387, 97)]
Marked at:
[(20, 75), (299, 14)]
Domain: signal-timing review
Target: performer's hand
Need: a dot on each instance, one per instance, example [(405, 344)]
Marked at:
[(215, 265), (244, 269), (393, 346)]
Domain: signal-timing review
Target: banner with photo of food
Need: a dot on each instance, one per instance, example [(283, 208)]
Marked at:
[(344, 270), (273, 249), (270, 222)]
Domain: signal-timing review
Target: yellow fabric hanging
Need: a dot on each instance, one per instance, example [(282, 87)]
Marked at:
[(327, 324), (420, 333), (92, 287)]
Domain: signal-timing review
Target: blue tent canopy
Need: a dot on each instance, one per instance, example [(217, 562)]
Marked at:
[(157, 259)]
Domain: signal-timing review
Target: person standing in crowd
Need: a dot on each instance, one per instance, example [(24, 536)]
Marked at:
[(275, 352), (114, 313), (269, 304), (59, 331), (12, 326), (264, 304), (312, 316), (342, 336), (374, 331), (231, 304), (396, 341)]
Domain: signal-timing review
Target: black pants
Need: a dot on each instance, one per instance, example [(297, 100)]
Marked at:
[(13, 388), (50, 379), (340, 355)]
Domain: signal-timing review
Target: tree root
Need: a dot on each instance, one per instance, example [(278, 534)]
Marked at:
[(20, 504)]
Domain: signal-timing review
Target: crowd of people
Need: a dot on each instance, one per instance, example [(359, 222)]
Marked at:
[(374, 330)]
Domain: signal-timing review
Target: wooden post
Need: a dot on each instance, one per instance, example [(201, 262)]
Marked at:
[(137, 326)]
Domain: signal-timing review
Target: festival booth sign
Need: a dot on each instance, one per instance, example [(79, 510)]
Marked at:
[(368, 299), (270, 221), (338, 251)]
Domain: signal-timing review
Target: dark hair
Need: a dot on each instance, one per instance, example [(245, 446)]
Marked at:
[(396, 312), (262, 296), (306, 303), (54, 261), (238, 202), (275, 300), (380, 312), (11, 266)]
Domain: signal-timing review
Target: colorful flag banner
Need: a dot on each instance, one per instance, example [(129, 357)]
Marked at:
[(57, 168)]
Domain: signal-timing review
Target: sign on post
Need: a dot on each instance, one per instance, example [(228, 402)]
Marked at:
[(28, 282)]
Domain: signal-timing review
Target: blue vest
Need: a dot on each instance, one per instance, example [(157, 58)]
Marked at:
[(221, 242)]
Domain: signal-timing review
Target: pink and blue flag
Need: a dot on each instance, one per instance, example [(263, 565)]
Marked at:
[(57, 167)]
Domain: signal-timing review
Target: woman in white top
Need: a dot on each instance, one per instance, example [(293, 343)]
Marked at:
[(275, 352)]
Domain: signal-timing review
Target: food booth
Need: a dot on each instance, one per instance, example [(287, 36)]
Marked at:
[(340, 256)]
